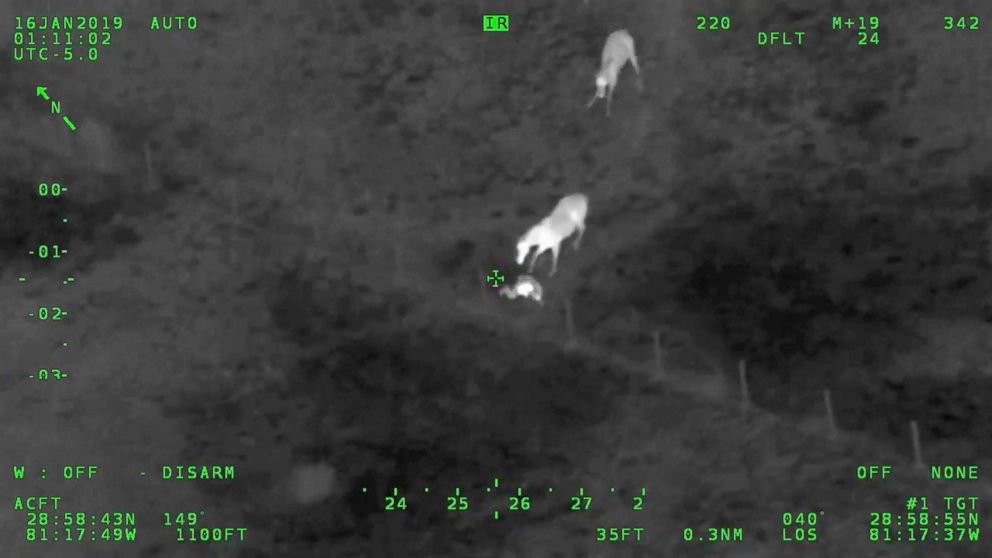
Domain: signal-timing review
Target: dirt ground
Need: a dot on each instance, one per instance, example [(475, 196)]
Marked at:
[(280, 226)]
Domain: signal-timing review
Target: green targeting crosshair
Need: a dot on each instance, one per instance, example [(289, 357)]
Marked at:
[(495, 278)]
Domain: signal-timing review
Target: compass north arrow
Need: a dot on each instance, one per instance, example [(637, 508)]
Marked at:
[(42, 92)]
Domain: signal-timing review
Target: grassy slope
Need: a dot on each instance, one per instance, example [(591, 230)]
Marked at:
[(269, 250)]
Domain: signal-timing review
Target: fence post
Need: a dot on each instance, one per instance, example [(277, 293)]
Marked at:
[(831, 425), (569, 323), (231, 190), (151, 182), (656, 337), (745, 393), (917, 452), (484, 285), (397, 258)]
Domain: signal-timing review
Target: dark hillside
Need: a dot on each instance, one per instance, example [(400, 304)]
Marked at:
[(281, 224)]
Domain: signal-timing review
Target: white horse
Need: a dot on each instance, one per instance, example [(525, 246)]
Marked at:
[(619, 48), (527, 287), (566, 218)]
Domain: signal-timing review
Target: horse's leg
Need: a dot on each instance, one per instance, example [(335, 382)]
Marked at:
[(578, 239), (533, 260), (554, 260), (637, 70)]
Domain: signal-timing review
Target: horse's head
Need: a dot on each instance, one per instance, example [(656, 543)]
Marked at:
[(601, 82)]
